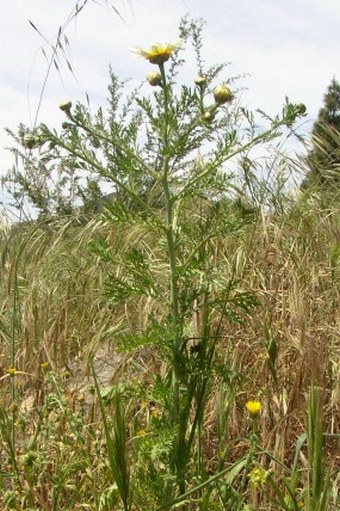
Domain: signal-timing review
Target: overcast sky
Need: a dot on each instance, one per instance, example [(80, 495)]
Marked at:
[(287, 48)]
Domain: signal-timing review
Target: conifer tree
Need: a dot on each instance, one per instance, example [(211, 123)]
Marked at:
[(324, 158)]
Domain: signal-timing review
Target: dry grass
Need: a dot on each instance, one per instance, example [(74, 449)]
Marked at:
[(54, 309)]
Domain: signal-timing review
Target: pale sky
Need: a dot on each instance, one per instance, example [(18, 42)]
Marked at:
[(287, 48)]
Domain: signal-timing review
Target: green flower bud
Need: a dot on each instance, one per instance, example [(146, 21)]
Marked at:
[(222, 94), (31, 141), (201, 81), (66, 106), (301, 108), (208, 116), (154, 79)]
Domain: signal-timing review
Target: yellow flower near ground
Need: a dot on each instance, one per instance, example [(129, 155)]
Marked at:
[(141, 432), (257, 477), (156, 414), (253, 407), (11, 372), (157, 53)]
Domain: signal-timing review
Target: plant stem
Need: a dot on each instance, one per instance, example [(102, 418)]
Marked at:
[(176, 416), (170, 234)]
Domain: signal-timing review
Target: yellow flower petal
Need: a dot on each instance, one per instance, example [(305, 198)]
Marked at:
[(141, 432), (253, 407), (257, 477), (158, 53)]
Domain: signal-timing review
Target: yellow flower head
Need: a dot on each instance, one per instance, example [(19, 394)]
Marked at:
[(141, 433), (11, 372), (253, 407), (156, 413), (157, 53), (257, 477)]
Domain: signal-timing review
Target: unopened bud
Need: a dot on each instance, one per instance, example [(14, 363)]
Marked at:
[(301, 108), (208, 116), (201, 81), (66, 106), (222, 94), (31, 141), (154, 79)]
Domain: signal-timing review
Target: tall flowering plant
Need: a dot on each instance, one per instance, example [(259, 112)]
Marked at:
[(170, 156)]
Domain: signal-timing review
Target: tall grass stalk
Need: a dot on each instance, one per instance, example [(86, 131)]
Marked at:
[(318, 482), (116, 442)]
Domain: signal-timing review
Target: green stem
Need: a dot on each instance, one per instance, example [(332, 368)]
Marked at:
[(170, 224), (171, 234)]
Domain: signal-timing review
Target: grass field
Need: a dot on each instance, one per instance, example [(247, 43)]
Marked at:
[(68, 444)]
